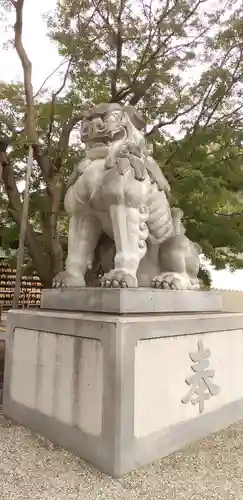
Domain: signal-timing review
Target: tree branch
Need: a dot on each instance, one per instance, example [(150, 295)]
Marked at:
[(219, 101), (53, 102), (66, 131), (15, 210), (119, 43), (27, 69), (204, 102), (162, 123), (49, 76), (30, 119), (160, 49)]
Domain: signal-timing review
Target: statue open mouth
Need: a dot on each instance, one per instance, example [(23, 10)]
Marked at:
[(94, 144), (106, 137)]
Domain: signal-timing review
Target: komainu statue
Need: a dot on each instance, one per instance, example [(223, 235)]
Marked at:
[(119, 190)]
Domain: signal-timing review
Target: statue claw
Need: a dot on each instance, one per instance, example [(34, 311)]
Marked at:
[(172, 281), (58, 284), (66, 280), (119, 279)]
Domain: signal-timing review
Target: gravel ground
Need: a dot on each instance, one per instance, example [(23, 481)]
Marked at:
[(33, 469)]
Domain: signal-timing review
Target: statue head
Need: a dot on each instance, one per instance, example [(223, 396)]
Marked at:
[(106, 123)]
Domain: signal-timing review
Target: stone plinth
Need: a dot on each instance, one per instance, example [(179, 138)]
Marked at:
[(133, 300), (114, 389)]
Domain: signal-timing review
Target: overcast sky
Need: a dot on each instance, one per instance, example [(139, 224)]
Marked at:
[(41, 51), (45, 59)]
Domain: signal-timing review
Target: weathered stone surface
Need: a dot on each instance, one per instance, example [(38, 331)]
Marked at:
[(119, 190), (138, 300), (112, 388)]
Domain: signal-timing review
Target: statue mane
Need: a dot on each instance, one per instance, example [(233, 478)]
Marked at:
[(127, 141)]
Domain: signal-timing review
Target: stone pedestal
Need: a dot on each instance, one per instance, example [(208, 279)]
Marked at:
[(130, 300), (118, 389)]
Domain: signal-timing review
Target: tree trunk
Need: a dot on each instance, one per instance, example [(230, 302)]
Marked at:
[(23, 225), (41, 260)]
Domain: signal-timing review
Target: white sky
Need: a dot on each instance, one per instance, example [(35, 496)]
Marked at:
[(41, 51), (45, 59)]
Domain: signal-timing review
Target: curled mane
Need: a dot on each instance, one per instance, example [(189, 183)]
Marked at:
[(132, 141)]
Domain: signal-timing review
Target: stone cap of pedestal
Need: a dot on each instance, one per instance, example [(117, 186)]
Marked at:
[(130, 300)]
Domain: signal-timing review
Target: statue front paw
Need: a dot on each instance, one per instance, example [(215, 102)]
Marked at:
[(64, 279), (172, 281), (119, 278)]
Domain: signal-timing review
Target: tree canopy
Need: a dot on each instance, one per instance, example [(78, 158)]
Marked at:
[(181, 63)]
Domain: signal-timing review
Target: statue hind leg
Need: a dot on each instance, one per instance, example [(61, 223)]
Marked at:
[(173, 270), (178, 260)]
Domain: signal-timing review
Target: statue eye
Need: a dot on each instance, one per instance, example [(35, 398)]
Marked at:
[(99, 122)]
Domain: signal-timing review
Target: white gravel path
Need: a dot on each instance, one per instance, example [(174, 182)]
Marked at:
[(31, 470)]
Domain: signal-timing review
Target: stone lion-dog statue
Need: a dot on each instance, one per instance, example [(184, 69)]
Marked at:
[(118, 189)]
